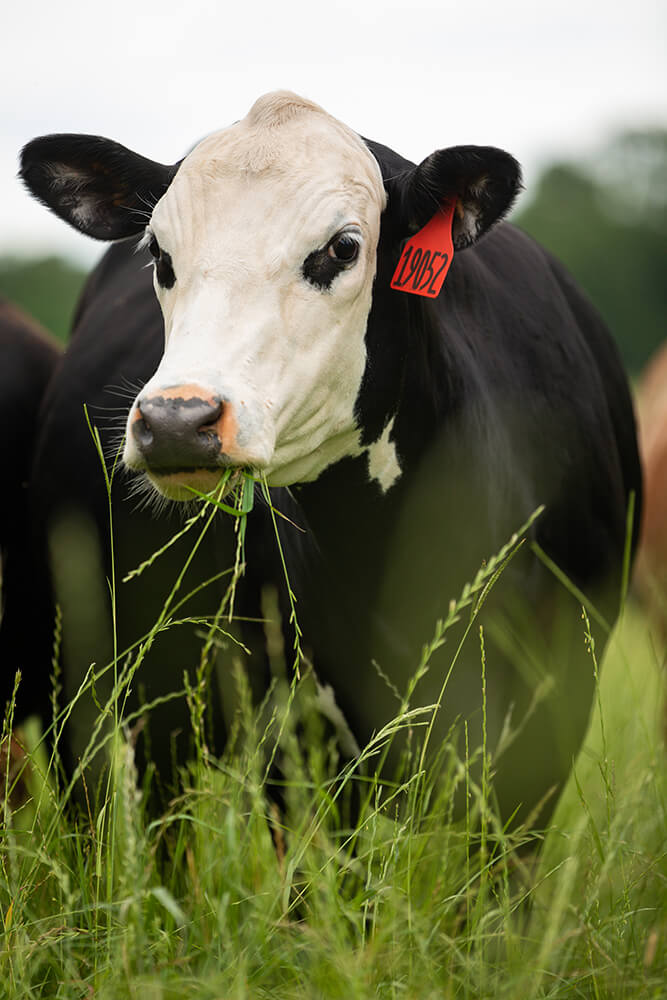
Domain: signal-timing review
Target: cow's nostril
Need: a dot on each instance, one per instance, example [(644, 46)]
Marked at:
[(208, 426), (142, 432)]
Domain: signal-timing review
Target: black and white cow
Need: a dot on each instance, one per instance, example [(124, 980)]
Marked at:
[(415, 432)]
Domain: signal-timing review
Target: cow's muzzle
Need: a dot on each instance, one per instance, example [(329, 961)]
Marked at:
[(185, 436), (175, 433)]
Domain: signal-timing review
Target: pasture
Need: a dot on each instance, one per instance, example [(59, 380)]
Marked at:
[(286, 869)]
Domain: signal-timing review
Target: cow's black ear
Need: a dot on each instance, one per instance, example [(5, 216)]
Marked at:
[(483, 180), (98, 186)]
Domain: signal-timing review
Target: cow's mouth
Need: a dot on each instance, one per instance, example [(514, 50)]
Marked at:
[(188, 484)]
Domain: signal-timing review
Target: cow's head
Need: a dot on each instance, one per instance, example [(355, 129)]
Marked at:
[(265, 241)]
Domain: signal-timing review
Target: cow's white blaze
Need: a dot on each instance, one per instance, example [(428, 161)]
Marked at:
[(243, 213)]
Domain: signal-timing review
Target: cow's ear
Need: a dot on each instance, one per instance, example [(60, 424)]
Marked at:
[(98, 186), (484, 182)]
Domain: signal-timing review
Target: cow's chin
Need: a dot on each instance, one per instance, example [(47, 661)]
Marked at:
[(187, 485)]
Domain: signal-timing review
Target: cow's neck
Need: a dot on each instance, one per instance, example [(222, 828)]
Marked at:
[(352, 507)]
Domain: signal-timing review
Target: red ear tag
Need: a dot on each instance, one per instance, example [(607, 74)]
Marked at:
[(426, 256)]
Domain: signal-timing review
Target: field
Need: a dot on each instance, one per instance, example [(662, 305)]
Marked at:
[(340, 885)]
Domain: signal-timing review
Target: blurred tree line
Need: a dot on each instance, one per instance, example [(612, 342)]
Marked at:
[(605, 218), (47, 287)]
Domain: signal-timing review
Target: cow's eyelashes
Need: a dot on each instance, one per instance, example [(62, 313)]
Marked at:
[(164, 270), (321, 267)]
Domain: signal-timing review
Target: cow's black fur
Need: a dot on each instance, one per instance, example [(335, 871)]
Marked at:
[(505, 393), (91, 172)]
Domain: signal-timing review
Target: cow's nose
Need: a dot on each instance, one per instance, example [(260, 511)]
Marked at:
[(175, 432)]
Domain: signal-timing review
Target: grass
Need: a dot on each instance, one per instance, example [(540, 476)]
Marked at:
[(351, 887)]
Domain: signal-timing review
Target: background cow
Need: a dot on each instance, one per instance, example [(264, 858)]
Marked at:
[(28, 357), (416, 433), (651, 568)]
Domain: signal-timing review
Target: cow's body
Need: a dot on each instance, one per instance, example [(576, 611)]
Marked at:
[(433, 429), (485, 432)]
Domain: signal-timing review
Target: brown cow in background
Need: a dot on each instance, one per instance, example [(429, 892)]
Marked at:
[(651, 566)]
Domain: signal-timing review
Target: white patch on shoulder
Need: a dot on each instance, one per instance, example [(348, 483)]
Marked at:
[(383, 464)]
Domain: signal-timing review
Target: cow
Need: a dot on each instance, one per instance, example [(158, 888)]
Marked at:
[(29, 355), (651, 565), (297, 328)]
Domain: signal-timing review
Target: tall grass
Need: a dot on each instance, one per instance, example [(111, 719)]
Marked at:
[(326, 880)]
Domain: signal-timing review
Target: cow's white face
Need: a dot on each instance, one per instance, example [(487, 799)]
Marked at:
[(267, 239)]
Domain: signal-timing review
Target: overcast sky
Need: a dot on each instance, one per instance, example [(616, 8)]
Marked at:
[(543, 80)]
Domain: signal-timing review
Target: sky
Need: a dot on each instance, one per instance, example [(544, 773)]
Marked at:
[(546, 81)]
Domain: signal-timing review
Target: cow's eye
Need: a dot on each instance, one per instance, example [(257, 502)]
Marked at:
[(344, 248), (164, 271), (321, 267)]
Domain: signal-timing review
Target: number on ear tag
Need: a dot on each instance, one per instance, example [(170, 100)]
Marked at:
[(426, 256)]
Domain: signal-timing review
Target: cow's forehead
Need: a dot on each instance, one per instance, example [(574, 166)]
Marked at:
[(288, 142)]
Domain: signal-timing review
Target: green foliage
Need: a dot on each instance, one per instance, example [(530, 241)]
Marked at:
[(47, 288), (607, 221)]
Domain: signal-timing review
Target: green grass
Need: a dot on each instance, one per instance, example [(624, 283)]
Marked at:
[(228, 895)]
